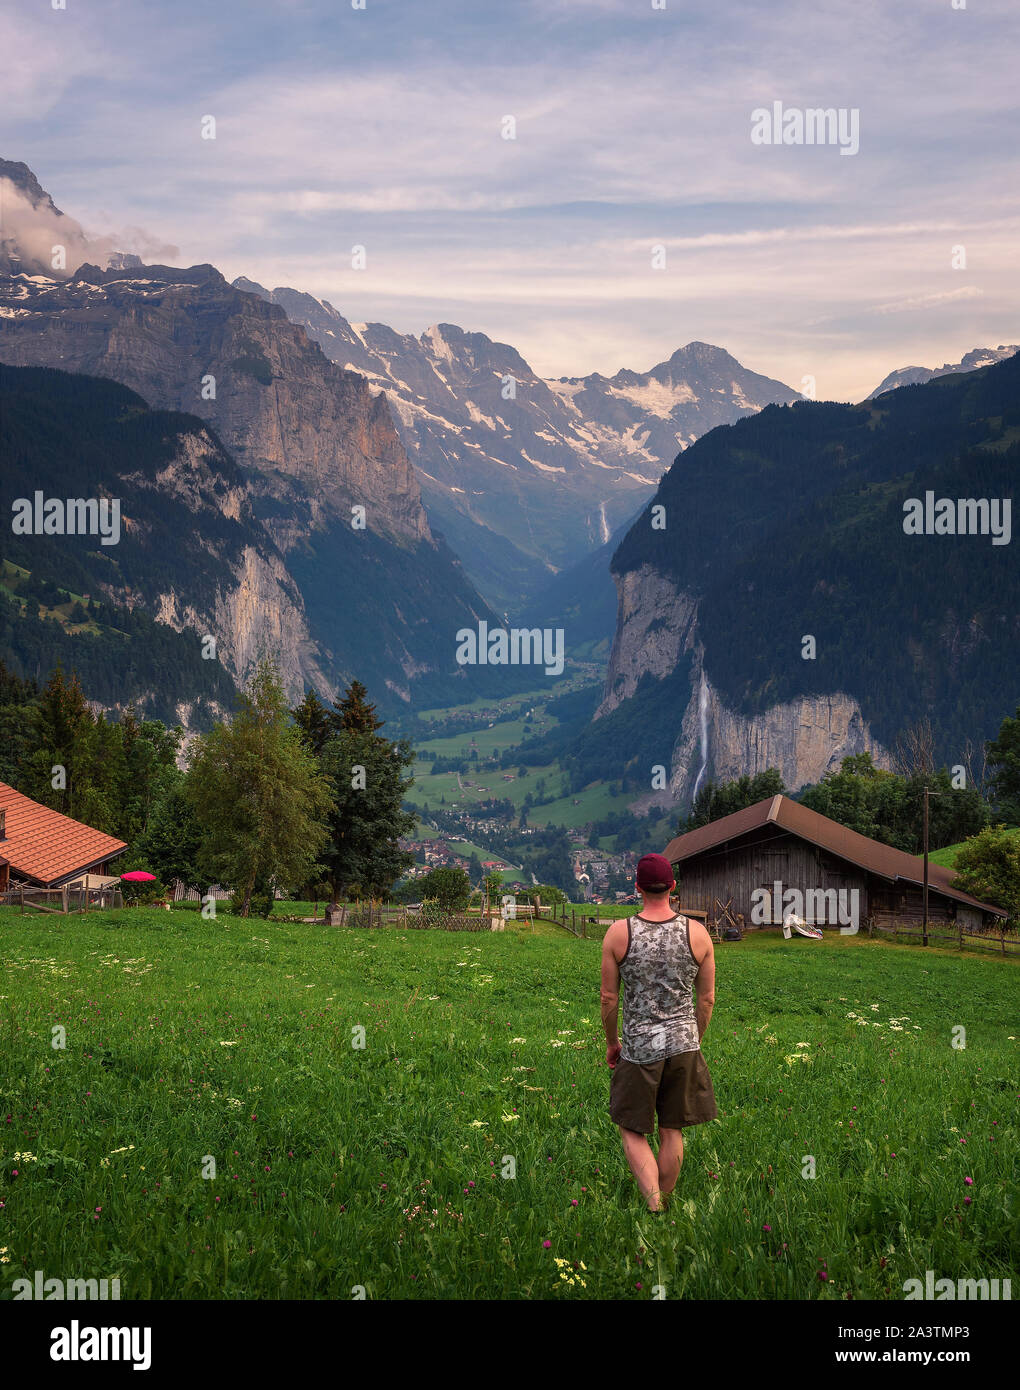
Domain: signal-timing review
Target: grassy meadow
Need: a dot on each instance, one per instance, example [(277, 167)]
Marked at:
[(466, 1151)]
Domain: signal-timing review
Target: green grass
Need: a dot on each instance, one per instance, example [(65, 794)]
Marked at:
[(324, 1151), (503, 735), (947, 857), (487, 702), (593, 802)]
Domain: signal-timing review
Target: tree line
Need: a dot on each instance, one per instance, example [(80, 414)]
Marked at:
[(274, 798)]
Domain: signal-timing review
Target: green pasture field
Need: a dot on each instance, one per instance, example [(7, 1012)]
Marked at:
[(427, 789), (466, 1150), (593, 801), (503, 735), (947, 856), (486, 702)]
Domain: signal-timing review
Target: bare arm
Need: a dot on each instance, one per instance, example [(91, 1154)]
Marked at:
[(704, 981), (612, 942)]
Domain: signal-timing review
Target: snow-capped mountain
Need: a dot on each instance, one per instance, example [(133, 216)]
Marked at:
[(523, 475), (914, 376)]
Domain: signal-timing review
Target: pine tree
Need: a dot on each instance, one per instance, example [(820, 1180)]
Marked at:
[(1004, 765), (353, 713), (313, 719), (59, 767), (171, 842), (365, 771)]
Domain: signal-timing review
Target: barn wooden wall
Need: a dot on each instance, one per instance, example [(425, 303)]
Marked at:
[(775, 854), (906, 906)]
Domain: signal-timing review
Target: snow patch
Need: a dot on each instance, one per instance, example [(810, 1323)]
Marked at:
[(655, 398), (545, 467)]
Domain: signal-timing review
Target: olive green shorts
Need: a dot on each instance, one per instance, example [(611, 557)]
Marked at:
[(677, 1089)]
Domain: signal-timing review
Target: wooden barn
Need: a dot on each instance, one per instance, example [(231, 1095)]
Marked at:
[(44, 849), (749, 860)]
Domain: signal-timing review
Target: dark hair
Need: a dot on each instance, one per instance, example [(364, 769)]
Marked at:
[(656, 887)]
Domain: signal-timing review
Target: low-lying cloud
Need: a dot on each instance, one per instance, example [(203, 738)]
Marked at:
[(52, 243)]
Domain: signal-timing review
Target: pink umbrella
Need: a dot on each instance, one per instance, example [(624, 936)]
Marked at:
[(138, 876)]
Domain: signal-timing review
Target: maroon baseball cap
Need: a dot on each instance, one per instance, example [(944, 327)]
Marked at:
[(654, 868)]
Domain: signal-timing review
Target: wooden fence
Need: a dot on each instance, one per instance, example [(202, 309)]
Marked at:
[(376, 915), (1001, 939), (62, 901)]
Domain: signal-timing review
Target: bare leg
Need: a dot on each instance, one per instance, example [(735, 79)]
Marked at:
[(671, 1156), (642, 1162)]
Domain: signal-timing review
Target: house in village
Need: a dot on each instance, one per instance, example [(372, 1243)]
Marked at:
[(751, 858), (41, 848)]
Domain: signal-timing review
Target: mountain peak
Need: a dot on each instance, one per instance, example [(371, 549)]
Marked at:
[(970, 362), (26, 182), (250, 287)]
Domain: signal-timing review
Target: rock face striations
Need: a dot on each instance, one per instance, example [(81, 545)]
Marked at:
[(658, 636), (373, 592), (188, 549), (305, 431), (780, 603), (526, 476)]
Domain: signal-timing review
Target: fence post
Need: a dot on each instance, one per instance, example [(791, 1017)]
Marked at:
[(64, 899)]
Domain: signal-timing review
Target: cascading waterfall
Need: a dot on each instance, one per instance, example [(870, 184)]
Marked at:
[(703, 715)]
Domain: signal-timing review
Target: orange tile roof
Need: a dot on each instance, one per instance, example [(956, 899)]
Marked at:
[(871, 855), (43, 845)]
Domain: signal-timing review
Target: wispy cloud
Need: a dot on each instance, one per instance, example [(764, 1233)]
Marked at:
[(384, 128), (928, 301)]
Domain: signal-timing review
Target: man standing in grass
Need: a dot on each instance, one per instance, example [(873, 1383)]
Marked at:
[(658, 1069)]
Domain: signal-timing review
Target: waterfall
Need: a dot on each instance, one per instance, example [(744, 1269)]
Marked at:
[(703, 716), (603, 523)]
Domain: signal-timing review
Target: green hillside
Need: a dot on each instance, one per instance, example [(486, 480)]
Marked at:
[(947, 856), (791, 523)]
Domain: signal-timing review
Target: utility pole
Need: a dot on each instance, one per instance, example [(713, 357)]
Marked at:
[(924, 936)]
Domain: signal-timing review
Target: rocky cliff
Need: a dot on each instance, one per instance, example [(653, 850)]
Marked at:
[(657, 634), (775, 608), (526, 476), (371, 592), (190, 551), (312, 436)]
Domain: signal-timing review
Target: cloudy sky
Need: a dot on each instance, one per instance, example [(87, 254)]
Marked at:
[(384, 126)]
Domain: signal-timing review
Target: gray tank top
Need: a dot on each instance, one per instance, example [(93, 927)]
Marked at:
[(658, 971)]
